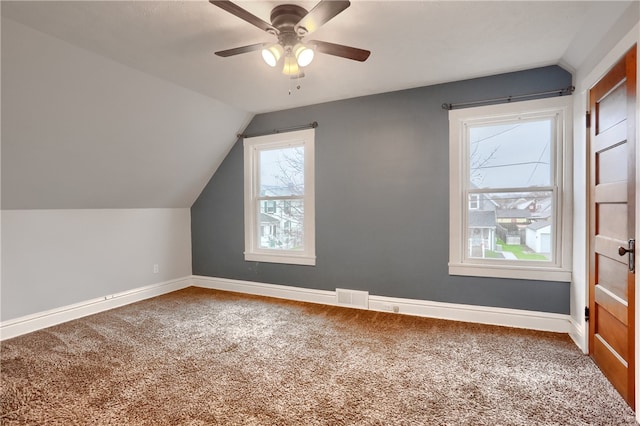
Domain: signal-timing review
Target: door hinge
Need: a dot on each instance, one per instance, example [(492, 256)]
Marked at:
[(586, 313), (588, 120)]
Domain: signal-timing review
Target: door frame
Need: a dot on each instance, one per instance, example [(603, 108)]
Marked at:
[(580, 283)]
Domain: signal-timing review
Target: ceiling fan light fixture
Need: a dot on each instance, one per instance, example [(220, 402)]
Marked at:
[(272, 54), (290, 66), (304, 54), (291, 23)]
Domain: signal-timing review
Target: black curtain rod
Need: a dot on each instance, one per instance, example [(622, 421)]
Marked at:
[(560, 92), (283, 130)]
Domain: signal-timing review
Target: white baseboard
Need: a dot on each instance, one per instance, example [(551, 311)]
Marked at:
[(299, 294), (577, 334), (40, 320), (533, 320), (543, 321)]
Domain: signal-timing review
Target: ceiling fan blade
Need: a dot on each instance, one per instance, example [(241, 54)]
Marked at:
[(236, 10), (341, 50), (239, 50), (319, 15)]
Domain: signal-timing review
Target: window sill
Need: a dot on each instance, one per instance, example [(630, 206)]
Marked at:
[(280, 258), (516, 272)]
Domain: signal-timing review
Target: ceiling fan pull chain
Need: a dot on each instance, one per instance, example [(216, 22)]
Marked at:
[(297, 79)]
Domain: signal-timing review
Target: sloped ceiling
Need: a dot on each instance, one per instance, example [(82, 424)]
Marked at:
[(80, 131), (413, 43), (124, 104)]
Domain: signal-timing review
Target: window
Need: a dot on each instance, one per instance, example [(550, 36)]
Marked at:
[(269, 206), (474, 201), (279, 198), (510, 180)]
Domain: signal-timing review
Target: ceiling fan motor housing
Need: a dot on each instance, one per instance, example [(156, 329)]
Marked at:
[(284, 18)]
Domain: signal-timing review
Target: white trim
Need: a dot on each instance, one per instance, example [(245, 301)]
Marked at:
[(299, 294), (289, 259), (577, 334), (579, 280), (533, 320), (510, 271), (40, 320), (610, 59), (252, 146)]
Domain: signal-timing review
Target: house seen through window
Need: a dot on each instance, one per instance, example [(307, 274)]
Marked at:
[(511, 211), (510, 174), (279, 198)]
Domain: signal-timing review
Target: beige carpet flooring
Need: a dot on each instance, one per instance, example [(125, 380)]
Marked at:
[(204, 357)]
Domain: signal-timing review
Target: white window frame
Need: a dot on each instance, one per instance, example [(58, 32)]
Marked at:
[(252, 148), (559, 268)]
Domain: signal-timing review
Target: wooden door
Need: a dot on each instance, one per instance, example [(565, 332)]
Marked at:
[(612, 104)]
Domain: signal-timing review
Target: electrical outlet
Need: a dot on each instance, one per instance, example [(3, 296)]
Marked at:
[(156, 268), (390, 308)]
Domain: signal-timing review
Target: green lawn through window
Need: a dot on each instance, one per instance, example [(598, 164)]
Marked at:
[(519, 251)]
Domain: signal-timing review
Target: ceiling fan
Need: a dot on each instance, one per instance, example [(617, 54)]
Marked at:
[(290, 23)]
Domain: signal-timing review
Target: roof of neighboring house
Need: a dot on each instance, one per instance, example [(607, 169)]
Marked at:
[(482, 219), (544, 208), (265, 218), (539, 225), (512, 213), (282, 190)]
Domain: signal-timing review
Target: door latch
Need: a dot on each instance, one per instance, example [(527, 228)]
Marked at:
[(632, 254)]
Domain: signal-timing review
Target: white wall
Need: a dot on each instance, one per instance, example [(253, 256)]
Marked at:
[(619, 39), (54, 258), (83, 131), (100, 165)]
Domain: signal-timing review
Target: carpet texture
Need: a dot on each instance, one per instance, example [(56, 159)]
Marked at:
[(205, 357)]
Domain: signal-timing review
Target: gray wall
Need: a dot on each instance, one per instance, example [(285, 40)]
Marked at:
[(382, 200)]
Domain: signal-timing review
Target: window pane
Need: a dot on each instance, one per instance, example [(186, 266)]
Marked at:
[(282, 228), (511, 155), (511, 226), (474, 201), (282, 172)]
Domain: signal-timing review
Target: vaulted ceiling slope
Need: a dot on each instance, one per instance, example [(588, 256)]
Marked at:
[(80, 131), (413, 43), (123, 104)]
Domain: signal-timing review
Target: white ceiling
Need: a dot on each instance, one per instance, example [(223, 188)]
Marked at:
[(413, 43), (94, 114)]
